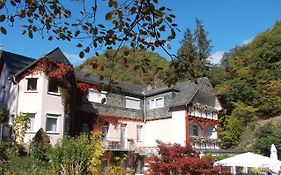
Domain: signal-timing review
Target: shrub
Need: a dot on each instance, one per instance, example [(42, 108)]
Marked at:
[(24, 165), (39, 145), (115, 170), (15, 149), (4, 113), (180, 160), (70, 156), (96, 153), (3, 147)]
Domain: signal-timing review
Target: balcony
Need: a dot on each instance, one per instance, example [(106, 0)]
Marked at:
[(204, 143), (111, 143)]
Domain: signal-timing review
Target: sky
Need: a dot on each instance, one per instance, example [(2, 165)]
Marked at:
[(228, 23)]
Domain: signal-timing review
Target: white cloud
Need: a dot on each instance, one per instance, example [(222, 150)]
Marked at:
[(247, 41), (216, 57), (74, 59)]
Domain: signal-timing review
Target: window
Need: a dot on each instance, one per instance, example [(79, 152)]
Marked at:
[(132, 103), (31, 116), (53, 86), (66, 124), (139, 133), (96, 97), (157, 103), (195, 130), (52, 123), (85, 128), (123, 136), (31, 84), (105, 129)]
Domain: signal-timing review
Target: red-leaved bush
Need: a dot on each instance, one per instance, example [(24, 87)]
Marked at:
[(174, 159)]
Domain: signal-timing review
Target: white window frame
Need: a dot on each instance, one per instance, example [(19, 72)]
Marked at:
[(98, 96), (52, 116), (153, 103), (139, 133), (32, 117), (134, 100), (31, 90), (50, 92)]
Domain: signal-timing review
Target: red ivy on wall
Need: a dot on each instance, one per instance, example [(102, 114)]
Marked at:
[(82, 90), (52, 69), (103, 119)]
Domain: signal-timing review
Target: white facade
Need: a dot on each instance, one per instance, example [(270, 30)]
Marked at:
[(157, 130), (46, 107)]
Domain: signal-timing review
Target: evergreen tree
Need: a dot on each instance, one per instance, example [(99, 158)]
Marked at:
[(192, 57), (203, 46), (186, 57)]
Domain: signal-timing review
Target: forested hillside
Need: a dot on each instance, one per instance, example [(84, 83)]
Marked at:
[(138, 67), (248, 80)]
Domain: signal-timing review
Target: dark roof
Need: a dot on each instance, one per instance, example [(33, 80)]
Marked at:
[(124, 87), (185, 95), (222, 151), (186, 92), (58, 56), (155, 91), (15, 62), (202, 92), (205, 97), (55, 55)]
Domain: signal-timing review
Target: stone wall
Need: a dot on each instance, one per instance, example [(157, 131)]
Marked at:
[(116, 106)]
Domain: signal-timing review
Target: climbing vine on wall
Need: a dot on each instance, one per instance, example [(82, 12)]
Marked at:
[(103, 119), (20, 124)]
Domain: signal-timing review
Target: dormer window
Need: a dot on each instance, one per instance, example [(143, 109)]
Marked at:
[(132, 103), (156, 103), (95, 96), (31, 84), (53, 87)]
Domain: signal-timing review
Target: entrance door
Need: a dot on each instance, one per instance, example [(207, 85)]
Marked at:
[(123, 138)]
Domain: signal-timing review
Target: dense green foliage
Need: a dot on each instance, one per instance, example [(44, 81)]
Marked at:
[(248, 80), (39, 145), (14, 160), (138, 67), (70, 156), (25, 165), (268, 134), (4, 113)]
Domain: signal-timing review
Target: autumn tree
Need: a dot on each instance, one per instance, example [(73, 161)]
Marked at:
[(174, 159), (192, 57), (134, 23)]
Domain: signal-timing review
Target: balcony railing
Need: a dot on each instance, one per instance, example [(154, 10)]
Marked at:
[(204, 143), (111, 143)]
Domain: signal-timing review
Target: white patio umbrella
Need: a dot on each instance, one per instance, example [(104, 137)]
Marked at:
[(273, 155), (249, 160), (273, 152)]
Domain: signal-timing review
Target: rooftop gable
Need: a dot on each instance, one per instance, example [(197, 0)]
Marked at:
[(55, 55), (14, 62)]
